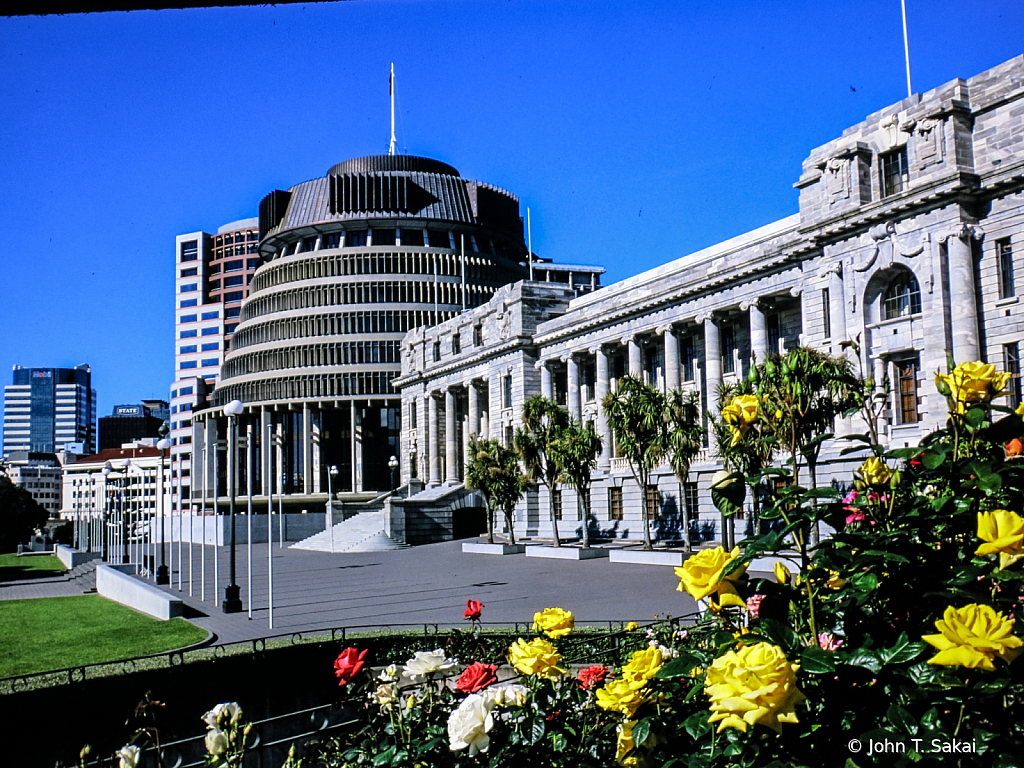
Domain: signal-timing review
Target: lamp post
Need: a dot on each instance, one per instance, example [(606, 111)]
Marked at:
[(163, 575), (393, 466), (232, 601), (125, 553), (332, 473), (106, 503)]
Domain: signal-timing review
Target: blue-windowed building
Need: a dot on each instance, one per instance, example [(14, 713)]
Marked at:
[(47, 408)]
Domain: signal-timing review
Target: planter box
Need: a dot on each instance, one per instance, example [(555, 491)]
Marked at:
[(648, 557), (493, 549), (566, 553)]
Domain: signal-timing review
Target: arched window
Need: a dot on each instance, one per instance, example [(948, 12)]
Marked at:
[(902, 297)]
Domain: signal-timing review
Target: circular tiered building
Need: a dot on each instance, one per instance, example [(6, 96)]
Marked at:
[(349, 263)]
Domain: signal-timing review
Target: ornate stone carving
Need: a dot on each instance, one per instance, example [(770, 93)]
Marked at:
[(963, 231), (837, 179), (928, 142), (887, 232), (504, 319)]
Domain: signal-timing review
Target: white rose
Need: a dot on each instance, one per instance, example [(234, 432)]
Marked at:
[(230, 712), (425, 663), (513, 695), (389, 674), (468, 725), (385, 695), (216, 742), (128, 756)]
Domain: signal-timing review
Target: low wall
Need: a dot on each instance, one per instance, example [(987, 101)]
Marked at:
[(216, 529), (114, 582), (72, 557)]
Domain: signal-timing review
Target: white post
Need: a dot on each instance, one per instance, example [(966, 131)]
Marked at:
[(248, 513)]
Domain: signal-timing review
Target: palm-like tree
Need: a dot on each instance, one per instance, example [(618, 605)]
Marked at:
[(493, 469), (686, 437), (636, 414), (576, 451), (543, 422)]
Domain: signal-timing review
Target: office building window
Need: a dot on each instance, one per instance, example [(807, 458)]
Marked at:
[(412, 237), (355, 238), (231, 282), (614, 503), (210, 315), (252, 263), (231, 312), (232, 296), (478, 335), (230, 328), (383, 237), (190, 250), (211, 346), (189, 272), (826, 313), (186, 349), (437, 351), (556, 503), (1004, 264), (686, 355), (188, 334), (902, 297), (1011, 364), (906, 391), (188, 318), (506, 391), (185, 391), (187, 364), (728, 349), (188, 287), (456, 343), (895, 175), (439, 239), (211, 331), (233, 266), (189, 303), (691, 500), (207, 362)]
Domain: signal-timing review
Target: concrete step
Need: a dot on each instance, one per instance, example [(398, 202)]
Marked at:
[(363, 532)]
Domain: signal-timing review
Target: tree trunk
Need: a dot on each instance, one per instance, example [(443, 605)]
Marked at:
[(815, 532), (684, 506), (511, 526), (585, 498), (646, 513), (490, 524), (551, 514)]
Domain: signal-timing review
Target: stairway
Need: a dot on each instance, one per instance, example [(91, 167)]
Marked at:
[(363, 532), (84, 575)]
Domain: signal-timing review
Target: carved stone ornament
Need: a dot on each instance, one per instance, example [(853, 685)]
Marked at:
[(887, 232), (963, 231), (837, 179), (928, 142), (504, 323), (833, 268), (890, 131)]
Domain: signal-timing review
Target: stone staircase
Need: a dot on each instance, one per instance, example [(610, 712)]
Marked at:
[(363, 532), (84, 576)]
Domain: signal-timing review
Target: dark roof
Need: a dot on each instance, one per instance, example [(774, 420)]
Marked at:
[(377, 163), (119, 454)]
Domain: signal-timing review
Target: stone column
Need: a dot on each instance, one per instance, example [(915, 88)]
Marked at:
[(758, 334), (357, 448), (451, 470), (546, 387), (963, 300), (879, 367), (572, 400), (636, 365), (433, 449), (836, 307), (712, 360), (671, 357), (601, 386), (474, 408)]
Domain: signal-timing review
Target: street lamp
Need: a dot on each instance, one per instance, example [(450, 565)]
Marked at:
[(393, 465), (107, 469), (232, 601), (332, 473), (125, 486), (163, 575)]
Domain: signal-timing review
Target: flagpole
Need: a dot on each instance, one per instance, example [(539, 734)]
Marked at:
[(529, 243), (906, 48), (391, 87)]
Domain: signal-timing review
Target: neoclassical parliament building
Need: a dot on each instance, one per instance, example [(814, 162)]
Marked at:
[(909, 237)]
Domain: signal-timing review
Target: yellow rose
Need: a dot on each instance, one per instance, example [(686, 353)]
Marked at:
[(972, 384), (537, 657), (642, 666), (631, 626), (620, 696), (1020, 410), (972, 637), (701, 576), (782, 574), (624, 740), (754, 684), (739, 415), (554, 622), (1004, 533), (874, 471)]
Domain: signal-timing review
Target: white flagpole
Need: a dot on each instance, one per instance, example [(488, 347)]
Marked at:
[(463, 249), (248, 514), (906, 46), (206, 480), (217, 527), (391, 147), (529, 243)]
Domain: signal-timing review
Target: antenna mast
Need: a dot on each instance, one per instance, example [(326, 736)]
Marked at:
[(391, 147)]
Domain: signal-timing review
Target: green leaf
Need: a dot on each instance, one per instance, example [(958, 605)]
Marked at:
[(696, 725), (641, 731), (815, 661), (780, 633), (902, 453), (864, 582), (533, 729), (827, 492), (902, 651), (865, 659), (933, 458), (384, 758), (558, 742), (678, 667), (885, 555), (902, 719), (976, 417)]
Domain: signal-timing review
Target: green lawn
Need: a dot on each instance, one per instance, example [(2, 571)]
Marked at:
[(57, 632), (13, 567)]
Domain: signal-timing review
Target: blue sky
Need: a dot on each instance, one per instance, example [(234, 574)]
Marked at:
[(635, 132)]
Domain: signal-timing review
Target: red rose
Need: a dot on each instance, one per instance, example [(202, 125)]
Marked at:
[(591, 677), (473, 609), (476, 677), (348, 664)]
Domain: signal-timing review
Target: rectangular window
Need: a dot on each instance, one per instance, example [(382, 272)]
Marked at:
[(774, 332), (187, 364), (231, 282), (1011, 364), (252, 263), (211, 346), (214, 285), (190, 250), (233, 266), (230, 328), (506, 391), (686, 355), (186, 349), (478, 335), (232, 312), (188, 287), (232, 296), (188, 318), (412, 237), (188, 334), (826, 313), (437, 351), (189, 303), (210, 315), (653, 500), (186, 391), (456, 343), (906, 391), (211, 331), (332, 240), (556, 503), (189, 272), (207, 362), (509, 432), (1004, 264), (614, 503), (691, 500), (728, 349), (355, 239), (895, 175), (439, 239)]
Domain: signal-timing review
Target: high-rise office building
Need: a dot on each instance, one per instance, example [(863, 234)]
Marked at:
[(47, 408), (212, 275), (133, 422)]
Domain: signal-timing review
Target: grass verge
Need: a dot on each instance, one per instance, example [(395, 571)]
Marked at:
[(13, 567), (57, 632)]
